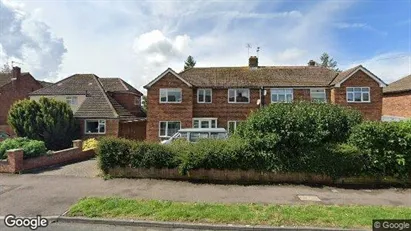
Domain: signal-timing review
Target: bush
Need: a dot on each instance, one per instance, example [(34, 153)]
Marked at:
[(90, 144), (113, 152), (152, 155), (293, 129), (386, 146), (48, 120), (31, 148)]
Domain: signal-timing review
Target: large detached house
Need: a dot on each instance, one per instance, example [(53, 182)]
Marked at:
[(397, 100), (224, 96), (14, 86), (103, 106)]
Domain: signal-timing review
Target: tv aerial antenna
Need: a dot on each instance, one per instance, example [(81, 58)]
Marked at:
[(248, 46), (258, 50)]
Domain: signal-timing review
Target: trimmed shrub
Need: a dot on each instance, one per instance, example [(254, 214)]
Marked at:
[(113, 152), (386, 146), (90, 144), (293, 129), (31, 148), (48, 120), (152, 155)]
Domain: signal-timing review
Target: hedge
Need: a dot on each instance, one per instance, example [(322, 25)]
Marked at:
[(31, 148)]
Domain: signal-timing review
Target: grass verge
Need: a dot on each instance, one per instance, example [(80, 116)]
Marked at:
[(251, 214)]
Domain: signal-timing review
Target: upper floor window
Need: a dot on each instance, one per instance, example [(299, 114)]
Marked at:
[(358, 94), (204, 95), (239, 95), (170, 95), (71, 100), (318, 95), (281, 95), (137, 100)]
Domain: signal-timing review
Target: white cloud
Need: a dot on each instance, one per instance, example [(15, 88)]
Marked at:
[(290, 54), (159, 49), (29, 41), (388, 66)]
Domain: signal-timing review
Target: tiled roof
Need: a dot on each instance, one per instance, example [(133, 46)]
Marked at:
[(342, 75), (295, 76), (44, 83), (98, 104), (401, 85), (117, 85)]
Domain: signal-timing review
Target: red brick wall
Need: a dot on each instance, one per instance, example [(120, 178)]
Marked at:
[(168, 111), (370, 111), (112, 129), (15, 162), (16, 90), (397, 104), (127, 100)]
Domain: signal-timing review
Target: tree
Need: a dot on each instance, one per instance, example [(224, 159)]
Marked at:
[(144, 103), (48, 120), (328, 62), (189, 63), (5, 68)]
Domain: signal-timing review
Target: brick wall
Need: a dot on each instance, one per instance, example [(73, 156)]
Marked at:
[(15, 162), (127, 100), (15, 90), (370, 111), (112, 129), (397, 104), (157, 112)]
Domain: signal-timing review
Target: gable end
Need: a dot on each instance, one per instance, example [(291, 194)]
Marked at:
[(367, 72), (169, 70)]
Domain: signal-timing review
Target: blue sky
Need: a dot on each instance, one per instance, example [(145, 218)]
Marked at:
[(137, 40)]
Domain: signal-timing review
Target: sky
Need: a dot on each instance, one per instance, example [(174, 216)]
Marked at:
[(138, 40)]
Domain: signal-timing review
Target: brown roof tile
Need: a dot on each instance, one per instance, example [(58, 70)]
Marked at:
[(295, 76), (401, 85), (117, 85)]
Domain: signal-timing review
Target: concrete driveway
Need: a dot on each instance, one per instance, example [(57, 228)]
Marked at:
[(87, 168), (50, 195)]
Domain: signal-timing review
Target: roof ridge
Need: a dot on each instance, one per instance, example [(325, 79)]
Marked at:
[(34, 92), (96, 78)]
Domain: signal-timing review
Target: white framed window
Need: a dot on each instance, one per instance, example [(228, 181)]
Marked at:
[(239, 95), (205, 123), (282, 95), (358, 95), (170, 95), (232, 125), (137, 100), (204, 95), (71, 100), (95, 127), (318, 95), (168, 128)]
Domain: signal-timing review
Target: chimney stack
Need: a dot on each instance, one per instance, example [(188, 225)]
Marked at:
[(311, 63), (253, 62), (16, 73)]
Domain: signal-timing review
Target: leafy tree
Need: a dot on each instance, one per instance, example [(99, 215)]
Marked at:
[(144, 103), (48, 120), (328, 62), (5, 68), (189, 63)]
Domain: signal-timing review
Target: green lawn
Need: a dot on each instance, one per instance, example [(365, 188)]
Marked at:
[(250, 214)]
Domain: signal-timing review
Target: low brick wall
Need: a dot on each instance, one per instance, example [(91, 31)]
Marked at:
[(250, 177), (15, 162), (215, 175)]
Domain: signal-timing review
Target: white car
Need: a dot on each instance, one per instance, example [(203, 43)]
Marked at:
[(193, 134)]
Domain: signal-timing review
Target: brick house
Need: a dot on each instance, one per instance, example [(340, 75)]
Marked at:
[(14, 86), (224, 96), (397, 100), (103, 106)]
